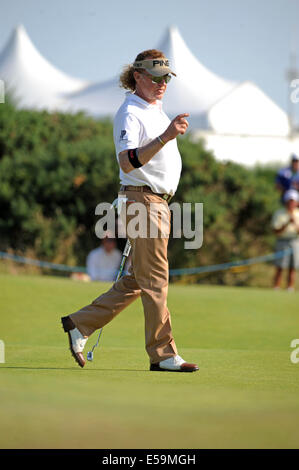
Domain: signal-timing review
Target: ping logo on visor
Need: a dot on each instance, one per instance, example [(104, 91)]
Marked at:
[(156, 67), (161, 62)]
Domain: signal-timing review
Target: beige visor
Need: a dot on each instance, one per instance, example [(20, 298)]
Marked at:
[(156, 67)]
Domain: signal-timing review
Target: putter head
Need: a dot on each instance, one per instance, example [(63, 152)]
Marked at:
[(90, 356)]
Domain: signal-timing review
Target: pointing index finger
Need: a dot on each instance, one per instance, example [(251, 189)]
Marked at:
[(183, 115)]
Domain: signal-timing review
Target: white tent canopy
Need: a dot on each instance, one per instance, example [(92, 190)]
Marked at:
[(99, 99), (247, 110), (213, 103), (237, 120), (194, 89), (33, 81)]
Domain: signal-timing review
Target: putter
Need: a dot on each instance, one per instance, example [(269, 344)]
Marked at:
[(125, 255)]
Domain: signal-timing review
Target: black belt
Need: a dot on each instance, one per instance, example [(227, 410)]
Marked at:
[(146, 189)]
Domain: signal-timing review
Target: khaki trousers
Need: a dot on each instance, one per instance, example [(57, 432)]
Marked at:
[(148, 278)]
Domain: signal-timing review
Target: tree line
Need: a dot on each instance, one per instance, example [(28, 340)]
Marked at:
[(55, 168)]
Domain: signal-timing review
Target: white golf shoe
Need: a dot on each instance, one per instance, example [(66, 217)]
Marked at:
[(76, 340), (174, 364)]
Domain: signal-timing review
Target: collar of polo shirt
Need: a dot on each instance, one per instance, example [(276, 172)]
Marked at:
[(137, 98)]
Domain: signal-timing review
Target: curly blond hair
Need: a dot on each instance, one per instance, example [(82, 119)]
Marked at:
[(126, 79)]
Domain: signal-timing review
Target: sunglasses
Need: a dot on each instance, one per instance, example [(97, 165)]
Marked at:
[(154, 79)]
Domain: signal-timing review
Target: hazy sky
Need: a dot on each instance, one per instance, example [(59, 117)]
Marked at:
[(92, 39)]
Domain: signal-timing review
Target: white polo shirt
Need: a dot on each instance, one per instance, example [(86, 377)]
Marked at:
[(136, 124), (280, 218)]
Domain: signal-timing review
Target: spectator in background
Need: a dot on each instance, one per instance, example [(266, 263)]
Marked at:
[(287, 176), (103, 262), (295, 181), (285, 223)]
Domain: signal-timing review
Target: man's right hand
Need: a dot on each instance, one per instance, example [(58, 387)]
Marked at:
[(177, 126)]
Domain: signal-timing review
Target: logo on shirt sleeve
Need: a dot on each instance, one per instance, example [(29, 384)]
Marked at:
[(122, 135)]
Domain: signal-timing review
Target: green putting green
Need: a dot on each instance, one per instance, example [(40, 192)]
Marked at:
[(244, 395)]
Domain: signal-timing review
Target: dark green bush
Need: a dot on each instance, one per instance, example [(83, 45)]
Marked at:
[(55, 168)]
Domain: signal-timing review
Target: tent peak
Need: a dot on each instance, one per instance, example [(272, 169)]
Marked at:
[(20, 28), (173, 34), (172, 28), (20, 32), (19, 40), (30, 76)]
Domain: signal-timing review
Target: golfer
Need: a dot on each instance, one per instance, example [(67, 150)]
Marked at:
[(150, 167)]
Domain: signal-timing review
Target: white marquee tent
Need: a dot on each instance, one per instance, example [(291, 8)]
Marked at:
[(32, 80), (213, 102), (237, 120), (194, 89)]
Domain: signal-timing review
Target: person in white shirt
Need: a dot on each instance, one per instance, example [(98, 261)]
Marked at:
[(150, 168), (102, 263), (285, 223)]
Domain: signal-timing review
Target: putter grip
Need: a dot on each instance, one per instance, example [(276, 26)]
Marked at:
[(127, 248)]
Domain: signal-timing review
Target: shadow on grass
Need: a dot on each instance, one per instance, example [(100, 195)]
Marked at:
[(72, 368)]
